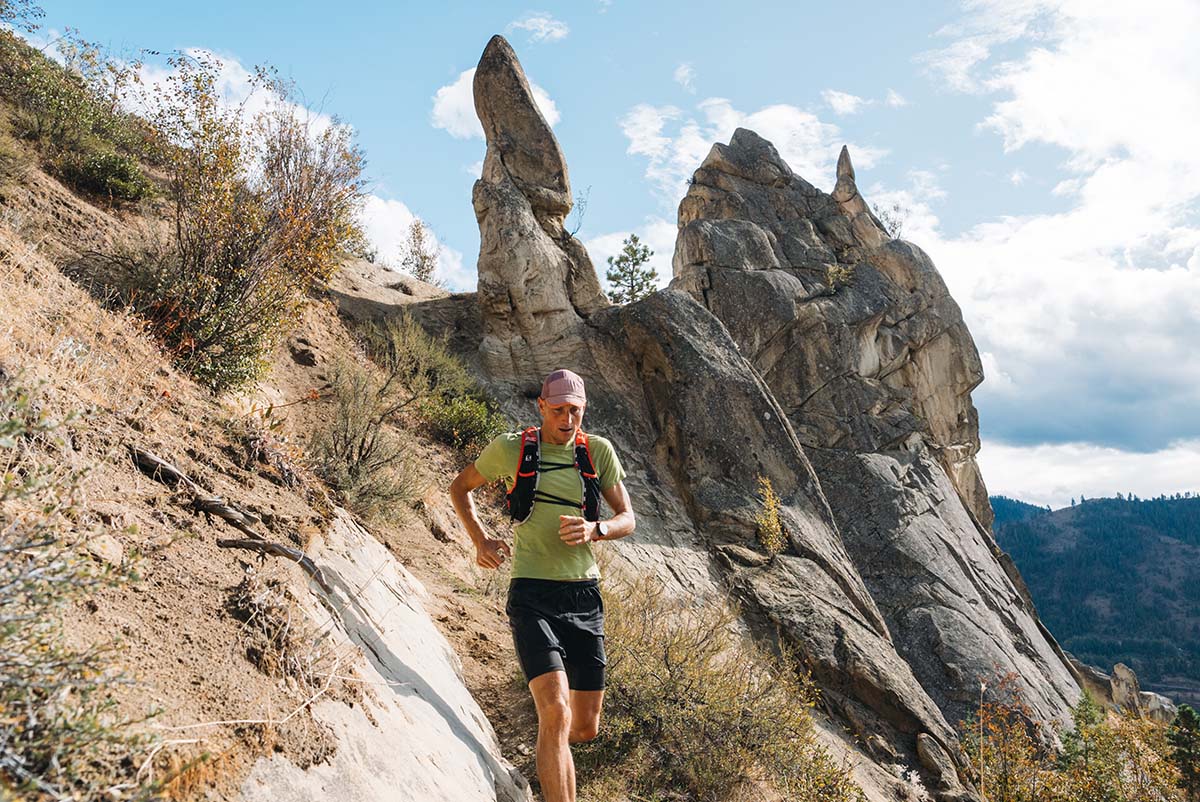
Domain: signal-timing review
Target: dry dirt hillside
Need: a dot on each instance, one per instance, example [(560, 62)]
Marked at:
[(243, 659)]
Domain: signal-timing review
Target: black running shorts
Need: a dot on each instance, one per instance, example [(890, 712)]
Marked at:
[(559, 626)]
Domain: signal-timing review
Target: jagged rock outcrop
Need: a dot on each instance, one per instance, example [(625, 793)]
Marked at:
[(867, 353), (418, 733), (1121, 691), (695, 425), (536, 282)]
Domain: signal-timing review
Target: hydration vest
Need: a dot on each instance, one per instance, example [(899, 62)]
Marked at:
[(524, 491)]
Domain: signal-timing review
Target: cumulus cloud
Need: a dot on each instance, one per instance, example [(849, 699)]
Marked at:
[(454, 107), (674, 142), (685, 76), (542, 27), (843, 103), (1054, 474), (1090, 313), (655, 232), (386, 223), (894, 99)]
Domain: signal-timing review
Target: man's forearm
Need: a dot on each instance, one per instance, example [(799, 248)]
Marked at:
[(619, 526), (464, 506)]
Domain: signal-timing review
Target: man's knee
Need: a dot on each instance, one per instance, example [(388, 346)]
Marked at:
[(553, 703), (555, 714), (584, 731)]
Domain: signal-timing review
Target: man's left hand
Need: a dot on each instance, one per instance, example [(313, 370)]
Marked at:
[(575, 531)]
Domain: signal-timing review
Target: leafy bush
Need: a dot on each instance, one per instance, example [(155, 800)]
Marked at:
[(357, 453), (59, 737), (838, 276), (422, 373), (770, 531), (263, 205), (73, 111), (417, 366), (105, 173), (694, 711), (466, 422), (1104, 757)]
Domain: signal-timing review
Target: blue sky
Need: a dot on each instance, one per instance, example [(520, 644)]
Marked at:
[(1043, 150)]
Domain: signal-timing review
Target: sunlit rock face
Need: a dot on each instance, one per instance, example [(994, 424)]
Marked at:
[(860, 342), (536, 282)]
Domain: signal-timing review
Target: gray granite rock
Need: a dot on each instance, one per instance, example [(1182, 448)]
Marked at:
[(875, 374)]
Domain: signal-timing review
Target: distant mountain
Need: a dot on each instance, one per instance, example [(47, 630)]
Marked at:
[(1008, 510), (1116, 580)]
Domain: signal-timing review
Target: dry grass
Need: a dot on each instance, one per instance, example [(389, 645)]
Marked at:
[(89, 357), (696, 711)]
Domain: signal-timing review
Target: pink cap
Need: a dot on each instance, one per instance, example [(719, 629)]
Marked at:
[(563, 387)]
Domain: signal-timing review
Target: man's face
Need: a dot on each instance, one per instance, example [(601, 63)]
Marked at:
[(560, 421)]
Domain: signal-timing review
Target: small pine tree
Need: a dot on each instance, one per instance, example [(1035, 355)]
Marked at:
[(626, 276), (1184, 738), (421, 253)]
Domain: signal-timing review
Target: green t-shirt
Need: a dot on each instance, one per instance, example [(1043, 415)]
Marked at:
[(539, 553)]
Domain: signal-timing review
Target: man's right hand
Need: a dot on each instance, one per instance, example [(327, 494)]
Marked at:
[(491, 552)]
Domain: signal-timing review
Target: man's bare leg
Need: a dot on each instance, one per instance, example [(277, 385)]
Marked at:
[(555, 768), (585, 715)]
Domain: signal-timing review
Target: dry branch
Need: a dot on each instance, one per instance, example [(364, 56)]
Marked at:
[(279, 550), (160, 470)]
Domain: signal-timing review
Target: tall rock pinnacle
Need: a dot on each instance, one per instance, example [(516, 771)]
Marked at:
[(536, 282)]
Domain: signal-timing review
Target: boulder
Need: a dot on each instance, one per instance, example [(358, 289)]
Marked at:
[(417, 733)]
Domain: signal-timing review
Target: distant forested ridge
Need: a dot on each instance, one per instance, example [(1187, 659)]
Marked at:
[(1116, 580)]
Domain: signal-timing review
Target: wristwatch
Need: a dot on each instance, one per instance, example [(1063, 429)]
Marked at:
[(601, 531)]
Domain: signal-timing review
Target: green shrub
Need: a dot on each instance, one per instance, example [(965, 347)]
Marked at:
[(422, 374), (358, 453), (59, 737), (770, 531), (105, 173), (414, 363), (70, 107), (694, 711), (465, 422), (263, 208)]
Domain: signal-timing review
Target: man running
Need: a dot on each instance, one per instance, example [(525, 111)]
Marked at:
[(554, 606)]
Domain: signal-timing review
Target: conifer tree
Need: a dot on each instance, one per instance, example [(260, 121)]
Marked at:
[(1184, 737), (627, 279), (421, 253)]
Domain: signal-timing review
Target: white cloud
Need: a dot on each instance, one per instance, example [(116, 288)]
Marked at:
[(685, 76), (894, 99), (655, 232), (1054, 474), (1093, 311), (843, 103), (386, 223), (454, 107), (235, 86), (1018, 177), (807, 144), (912, 205), (541, 26)]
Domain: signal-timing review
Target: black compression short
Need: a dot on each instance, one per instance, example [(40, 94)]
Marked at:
[(559, 626)]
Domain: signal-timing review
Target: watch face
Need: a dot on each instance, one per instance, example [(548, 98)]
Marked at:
[(603, 530)]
